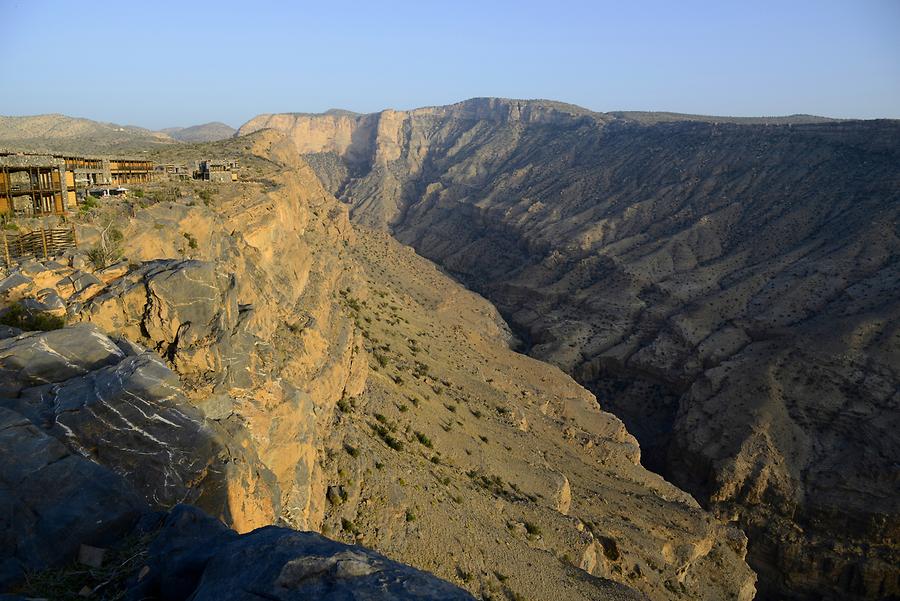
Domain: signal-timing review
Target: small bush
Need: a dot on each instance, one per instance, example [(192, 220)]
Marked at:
[(88, 204), (17, 317), (532, 529), (385, 435), (424, 440), (108, 250), (348, 526), (351, 450), (206, 195), (191, 240)]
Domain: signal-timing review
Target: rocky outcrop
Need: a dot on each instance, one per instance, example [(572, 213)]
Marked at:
[(52, 500), (189, 312), (196, 557), (261, 350), (104, 423), (724, 287), (118, 405)]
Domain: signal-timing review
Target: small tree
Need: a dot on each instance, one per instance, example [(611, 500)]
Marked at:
[(109, 249)]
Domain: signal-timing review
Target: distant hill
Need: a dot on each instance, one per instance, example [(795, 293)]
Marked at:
[(208, 132), (59, 133), (648, 118)]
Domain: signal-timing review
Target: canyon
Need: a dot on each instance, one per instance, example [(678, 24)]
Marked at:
[(727, 287), (536, 351), (257, 356)]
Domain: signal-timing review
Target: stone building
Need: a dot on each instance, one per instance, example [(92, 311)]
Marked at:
[(130, 171), (45, 184), (34, 185), (218, 171)]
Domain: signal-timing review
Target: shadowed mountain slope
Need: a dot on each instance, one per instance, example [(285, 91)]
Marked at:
[(727, 287)]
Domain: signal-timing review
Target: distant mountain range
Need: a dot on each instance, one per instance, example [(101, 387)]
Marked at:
[(61, 133), (208, 132)]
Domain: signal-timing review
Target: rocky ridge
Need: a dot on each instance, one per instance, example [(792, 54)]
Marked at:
[(725, 287)]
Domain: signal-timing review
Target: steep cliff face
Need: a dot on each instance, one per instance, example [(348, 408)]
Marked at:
[(253, 326), (238, 297), (727, 288)]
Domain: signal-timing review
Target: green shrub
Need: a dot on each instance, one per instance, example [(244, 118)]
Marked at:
[(532, 529), (206, 195), (348, 526), (108, 250), (18, 317), (351, 450), (87, 204), (385, 435)]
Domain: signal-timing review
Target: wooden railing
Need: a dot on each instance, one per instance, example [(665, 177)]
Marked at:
[(41, 243)]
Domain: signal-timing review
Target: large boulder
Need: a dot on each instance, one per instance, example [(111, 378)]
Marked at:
[(52, 500), (187, 311), (195, 557), (49, 357), (120, 406)]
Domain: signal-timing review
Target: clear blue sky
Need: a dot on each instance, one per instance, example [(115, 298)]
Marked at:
[(159, 64)]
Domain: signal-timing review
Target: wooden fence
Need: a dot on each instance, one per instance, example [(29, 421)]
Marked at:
[(41, 243)]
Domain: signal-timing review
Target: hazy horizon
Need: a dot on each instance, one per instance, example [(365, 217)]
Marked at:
[(624, 110), (179, 66)]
